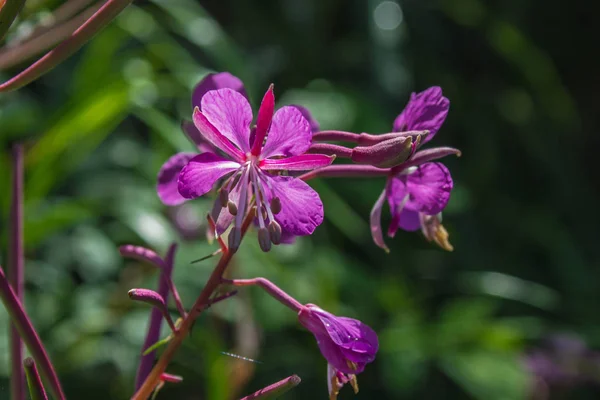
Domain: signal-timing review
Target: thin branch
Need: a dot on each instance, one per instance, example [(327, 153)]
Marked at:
[(27, 332), (16, 273), (93, 25), (151, 382), (13, 55)]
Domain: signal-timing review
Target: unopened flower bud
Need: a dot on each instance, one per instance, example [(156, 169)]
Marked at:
[(147, 296), (275, 205), (232, 208), (235, 237), (386, 154), (154, 299), (264, 239), (275, 232), (224, 197)]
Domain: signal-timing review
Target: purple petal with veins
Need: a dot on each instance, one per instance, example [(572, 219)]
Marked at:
[(200, 174), (426, 110), (290, 134), (230, 113)]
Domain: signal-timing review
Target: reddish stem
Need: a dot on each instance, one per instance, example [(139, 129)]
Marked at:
[(27, 332), (270, 288), (200, 304), (16, 272), (341, 136)]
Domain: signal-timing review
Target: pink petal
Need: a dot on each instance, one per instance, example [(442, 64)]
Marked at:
[(406, 219), (314, 125), (375, 221), (301, 208), (212, 135), (429, 187), (168, 176), (263, 120), (220, 80), (426, 110), (230, 113), (201, 173), (302, 162), (290, 134)]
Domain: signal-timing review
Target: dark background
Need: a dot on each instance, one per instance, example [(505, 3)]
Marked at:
[(510, 314)]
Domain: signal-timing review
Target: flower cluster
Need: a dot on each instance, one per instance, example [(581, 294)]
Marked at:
[(258, 168)]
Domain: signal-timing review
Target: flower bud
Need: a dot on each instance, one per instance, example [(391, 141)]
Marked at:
[(386, 154)]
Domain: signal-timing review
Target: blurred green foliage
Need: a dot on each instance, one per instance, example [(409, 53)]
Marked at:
[(522, 216)]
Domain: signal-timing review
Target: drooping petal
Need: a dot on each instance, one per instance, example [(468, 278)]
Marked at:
[(426, 110), (314, 125), (230, 113), (429, 188), (214, 81), (196, 137), (168, 176), (334, 355), (213, 136), (375, 222), (358, 341), (290, 134), (201, 173), (397, 197), (301, 208), (406, 219), (303, 162)]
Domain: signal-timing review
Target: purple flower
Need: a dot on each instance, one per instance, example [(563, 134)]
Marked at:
[(249, 161), (346, 343), (417, 191)]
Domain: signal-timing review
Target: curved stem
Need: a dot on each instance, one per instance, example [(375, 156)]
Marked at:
[(13, 55), (93, 25), (16, 272), (345, 170), (270, 288), (27, 332), (201, 303)]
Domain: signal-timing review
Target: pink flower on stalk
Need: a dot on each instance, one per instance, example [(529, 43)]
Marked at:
[(417, 191), (249, 158), (347, 344)]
